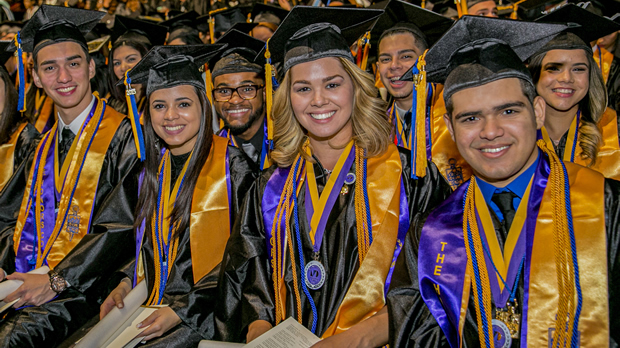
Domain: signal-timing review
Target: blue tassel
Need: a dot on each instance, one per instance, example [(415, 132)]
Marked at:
[(414, 103), (134, 116), (21, 102)]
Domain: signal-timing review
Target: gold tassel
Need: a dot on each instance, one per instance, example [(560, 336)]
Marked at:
[(366, 50), (420, 119), (269, 75), (209, 83)]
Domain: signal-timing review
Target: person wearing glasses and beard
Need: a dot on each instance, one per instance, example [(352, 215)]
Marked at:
[(239, 98)]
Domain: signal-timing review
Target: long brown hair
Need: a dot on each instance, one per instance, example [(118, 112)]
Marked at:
[(592, 106), (149, 189), (371, 128)]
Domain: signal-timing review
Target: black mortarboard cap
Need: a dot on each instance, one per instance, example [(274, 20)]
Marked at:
[(310, 33), (238, 56), (478, 50), (170, 66), (590, 27), (100, 30), (225, 19), (124, 26), (54, 24), (268, 13), (399, 14), (245, 28), (187, 19), (606, 8)]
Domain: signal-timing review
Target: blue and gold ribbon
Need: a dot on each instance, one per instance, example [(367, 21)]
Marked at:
[(134, 117)]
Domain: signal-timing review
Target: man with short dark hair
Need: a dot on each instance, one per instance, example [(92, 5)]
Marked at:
[(239, 96), (524, 254), (403, 29), (76, 216)]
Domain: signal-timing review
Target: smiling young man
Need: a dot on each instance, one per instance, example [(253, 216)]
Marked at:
[(77, 210), (239, 96), (405, 32), (524, 254)]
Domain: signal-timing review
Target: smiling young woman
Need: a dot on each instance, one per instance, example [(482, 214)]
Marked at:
[(579, 126), (328, 217), (191, 179)]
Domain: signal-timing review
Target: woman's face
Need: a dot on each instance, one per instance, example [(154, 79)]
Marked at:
[(176, 115), (564, 79), (322, 97), (124, 58)]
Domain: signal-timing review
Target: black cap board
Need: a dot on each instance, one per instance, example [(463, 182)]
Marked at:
[(590, 26), (124, 27), (478, 50), (53, 24), (399, 14), (310, 33), (238, 56), (187, 19), (170, 66), (268, 13)]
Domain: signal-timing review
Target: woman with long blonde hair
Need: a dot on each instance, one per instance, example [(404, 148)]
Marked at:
[(318, 233), (578, 125)]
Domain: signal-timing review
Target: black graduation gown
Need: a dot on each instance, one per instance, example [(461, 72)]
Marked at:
[(194, 303), (246, 286), (91, 263), (412, 325)]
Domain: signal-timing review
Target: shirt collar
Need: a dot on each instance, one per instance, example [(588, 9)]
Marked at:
[(76, 124), (517, 186)]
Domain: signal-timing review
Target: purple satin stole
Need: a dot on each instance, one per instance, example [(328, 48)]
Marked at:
[(442, 256)]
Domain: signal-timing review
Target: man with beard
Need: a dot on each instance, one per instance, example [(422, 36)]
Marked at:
[(239, 96)]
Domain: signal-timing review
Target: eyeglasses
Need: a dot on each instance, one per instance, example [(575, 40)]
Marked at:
[(246, 92)]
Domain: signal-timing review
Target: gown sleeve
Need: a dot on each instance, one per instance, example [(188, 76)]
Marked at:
[(244, 281), (612, 224)]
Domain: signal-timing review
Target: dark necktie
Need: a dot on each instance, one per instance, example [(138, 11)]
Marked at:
[(407, 125), (65, 145), (504, 201)]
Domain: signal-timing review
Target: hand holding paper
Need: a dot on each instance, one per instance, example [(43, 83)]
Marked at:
[(159, 323)]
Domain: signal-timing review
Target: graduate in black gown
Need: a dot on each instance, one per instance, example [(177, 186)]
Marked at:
[(76, 216), (324, 226), (205, 180), (486, 267)]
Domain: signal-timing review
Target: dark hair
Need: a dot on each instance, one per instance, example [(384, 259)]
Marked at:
[(9, 117), (35, 54), (188, 35), (139, 43), (99, 82), (148, 191), (420, 41), (527, 88)]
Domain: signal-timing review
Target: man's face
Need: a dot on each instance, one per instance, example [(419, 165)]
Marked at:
[(484, 9), (64, 73), (397, 53), (494, 127), (237, 113)]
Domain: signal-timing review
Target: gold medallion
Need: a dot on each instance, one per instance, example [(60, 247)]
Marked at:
[(511, 317)]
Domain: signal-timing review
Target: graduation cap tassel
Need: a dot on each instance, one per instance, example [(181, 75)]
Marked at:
[(208, 83), (21, 102), (212, 29), (359, 53), (138, 138), (418, 146), (366, 50), (269, 86)]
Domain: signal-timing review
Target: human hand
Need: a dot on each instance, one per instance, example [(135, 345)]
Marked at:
[(159, 322), (34, 291), (115, 298), (257, 328)]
